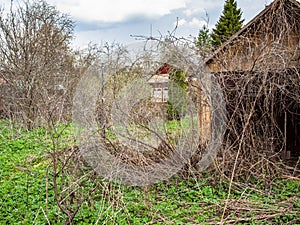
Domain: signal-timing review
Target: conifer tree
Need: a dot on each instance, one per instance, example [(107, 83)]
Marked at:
[(229, 23), (204, 41)]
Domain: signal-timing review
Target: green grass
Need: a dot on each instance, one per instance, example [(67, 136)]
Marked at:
[(173, 129), (24, 160)]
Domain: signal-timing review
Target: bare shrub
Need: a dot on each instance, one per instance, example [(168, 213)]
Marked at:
[(36, 63)]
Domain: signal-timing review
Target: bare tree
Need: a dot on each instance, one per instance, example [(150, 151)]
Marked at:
[(36, 62)]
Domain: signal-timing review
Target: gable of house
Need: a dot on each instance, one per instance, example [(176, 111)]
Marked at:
[(271, 41)]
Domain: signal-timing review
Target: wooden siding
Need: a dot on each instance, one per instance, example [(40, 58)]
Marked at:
[(269, 42), (258, 52), (203, 109)]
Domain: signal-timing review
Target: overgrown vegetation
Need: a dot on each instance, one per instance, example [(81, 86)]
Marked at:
[(27, 194), (177, 95), (45, 178)]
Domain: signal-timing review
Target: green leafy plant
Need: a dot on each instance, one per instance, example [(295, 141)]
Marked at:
[(27, 195)]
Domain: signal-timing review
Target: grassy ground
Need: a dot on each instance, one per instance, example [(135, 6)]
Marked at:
[(197, 199)]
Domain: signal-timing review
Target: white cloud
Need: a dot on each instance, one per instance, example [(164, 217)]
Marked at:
[(117, 10), (196, 23), (193, 23), (196, 6), (180, 22), (193, 11)]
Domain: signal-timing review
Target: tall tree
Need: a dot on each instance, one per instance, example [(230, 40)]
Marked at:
[(229, 23), (204, 41), (35, 59)]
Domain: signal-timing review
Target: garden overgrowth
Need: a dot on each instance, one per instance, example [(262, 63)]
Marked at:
[(27, 195)]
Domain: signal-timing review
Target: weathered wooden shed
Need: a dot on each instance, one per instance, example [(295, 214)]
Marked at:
[(270, 40), (260, 65)]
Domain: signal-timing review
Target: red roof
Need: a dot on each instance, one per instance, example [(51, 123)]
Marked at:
[(164, 69)]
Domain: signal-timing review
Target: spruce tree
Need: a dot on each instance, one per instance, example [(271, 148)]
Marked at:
[(229, 23), (204, 41)]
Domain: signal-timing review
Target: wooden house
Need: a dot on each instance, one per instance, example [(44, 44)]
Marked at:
[(266, 49), (159, 84)]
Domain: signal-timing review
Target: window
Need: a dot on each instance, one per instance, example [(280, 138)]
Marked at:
[(165, 95), (160, 94), (157, 94)]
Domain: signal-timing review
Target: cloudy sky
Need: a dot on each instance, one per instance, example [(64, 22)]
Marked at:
[(101, 21)]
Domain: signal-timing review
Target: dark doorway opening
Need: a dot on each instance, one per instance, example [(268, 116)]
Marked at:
[(289, 123)]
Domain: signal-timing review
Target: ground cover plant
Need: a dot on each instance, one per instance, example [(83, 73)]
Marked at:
[(28, 194)]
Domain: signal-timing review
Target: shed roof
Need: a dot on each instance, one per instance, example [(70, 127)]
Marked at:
[(275, 8)]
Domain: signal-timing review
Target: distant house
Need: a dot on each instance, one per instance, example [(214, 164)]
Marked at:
[(160, 95), (159, 83), (268, 46)]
